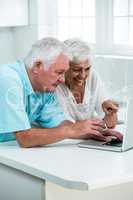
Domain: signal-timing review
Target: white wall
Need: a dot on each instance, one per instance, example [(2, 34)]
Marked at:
[(25, 36), (47, 18), (42, 23), (15, 42), (6, 46)]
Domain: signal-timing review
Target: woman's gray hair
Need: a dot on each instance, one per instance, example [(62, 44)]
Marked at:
[(78, 49), (47, 50)]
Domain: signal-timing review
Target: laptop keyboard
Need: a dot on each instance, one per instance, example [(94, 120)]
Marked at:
[(114, 143)]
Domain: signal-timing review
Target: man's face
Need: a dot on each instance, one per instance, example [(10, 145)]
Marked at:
[(49, 79), (78, 72)]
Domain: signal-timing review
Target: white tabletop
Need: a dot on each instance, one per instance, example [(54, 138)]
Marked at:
[(66, 164)]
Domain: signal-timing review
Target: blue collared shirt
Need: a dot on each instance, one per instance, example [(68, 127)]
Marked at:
[(21, 107)]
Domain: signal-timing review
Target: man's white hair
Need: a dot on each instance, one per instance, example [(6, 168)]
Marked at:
[(78, 49), (47, 50)]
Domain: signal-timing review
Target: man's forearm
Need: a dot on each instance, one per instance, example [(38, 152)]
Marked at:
[(41, 136)]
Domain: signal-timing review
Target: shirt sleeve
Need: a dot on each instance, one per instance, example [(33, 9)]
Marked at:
[(101, 95), (12, 110), (51, 113)]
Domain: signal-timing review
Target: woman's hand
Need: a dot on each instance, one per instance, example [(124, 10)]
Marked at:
[(110, 109), (110, 106)]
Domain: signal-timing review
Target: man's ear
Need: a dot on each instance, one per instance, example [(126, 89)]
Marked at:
[(37, 66)]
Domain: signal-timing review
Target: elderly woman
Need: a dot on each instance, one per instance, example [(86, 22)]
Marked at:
[(83, 95)]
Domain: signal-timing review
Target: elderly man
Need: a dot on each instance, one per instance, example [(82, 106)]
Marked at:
[(29, 111), (83, 94)]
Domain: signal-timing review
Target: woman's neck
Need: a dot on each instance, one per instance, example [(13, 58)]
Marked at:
[(77, 91)]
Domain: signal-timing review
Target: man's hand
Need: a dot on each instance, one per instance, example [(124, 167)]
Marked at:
[(109, 133), (88, 129), (110, 108)]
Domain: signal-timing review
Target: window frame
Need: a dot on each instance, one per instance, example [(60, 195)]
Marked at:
[(104, 22), (104, 41)]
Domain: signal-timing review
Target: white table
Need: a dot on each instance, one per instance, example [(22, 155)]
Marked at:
[(64, 171)]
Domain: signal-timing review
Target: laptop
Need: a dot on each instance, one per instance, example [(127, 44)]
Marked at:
[(125, 127)]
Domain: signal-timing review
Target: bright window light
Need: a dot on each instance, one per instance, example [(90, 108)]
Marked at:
[(76, 19), (123, 22)]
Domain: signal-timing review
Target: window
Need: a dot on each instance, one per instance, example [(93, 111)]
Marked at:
[(107, 25), (123, 22), (76, 19)]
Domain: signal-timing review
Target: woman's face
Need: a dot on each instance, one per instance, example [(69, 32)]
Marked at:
[(78, 72)]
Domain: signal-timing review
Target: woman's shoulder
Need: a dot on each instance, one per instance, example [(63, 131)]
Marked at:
[(62, 90)]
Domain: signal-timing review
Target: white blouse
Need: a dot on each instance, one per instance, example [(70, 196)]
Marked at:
[(94, 96)]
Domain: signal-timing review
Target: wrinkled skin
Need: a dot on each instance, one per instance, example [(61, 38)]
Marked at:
[(76, 78), (110, 109), (105, 134), (110, 133)]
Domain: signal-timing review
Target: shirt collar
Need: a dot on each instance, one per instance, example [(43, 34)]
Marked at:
[(24, 77)]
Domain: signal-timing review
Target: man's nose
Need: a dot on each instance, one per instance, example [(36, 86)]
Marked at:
[(62, 79)]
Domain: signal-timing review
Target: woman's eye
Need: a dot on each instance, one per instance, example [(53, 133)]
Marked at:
[(87, 69)]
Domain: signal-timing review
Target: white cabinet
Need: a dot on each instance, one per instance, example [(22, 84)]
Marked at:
[(13, 12)]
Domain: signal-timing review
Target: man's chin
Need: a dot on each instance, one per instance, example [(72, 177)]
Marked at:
[(51, 89)]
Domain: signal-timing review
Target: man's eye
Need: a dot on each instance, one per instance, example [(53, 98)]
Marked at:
[(60, 73)]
